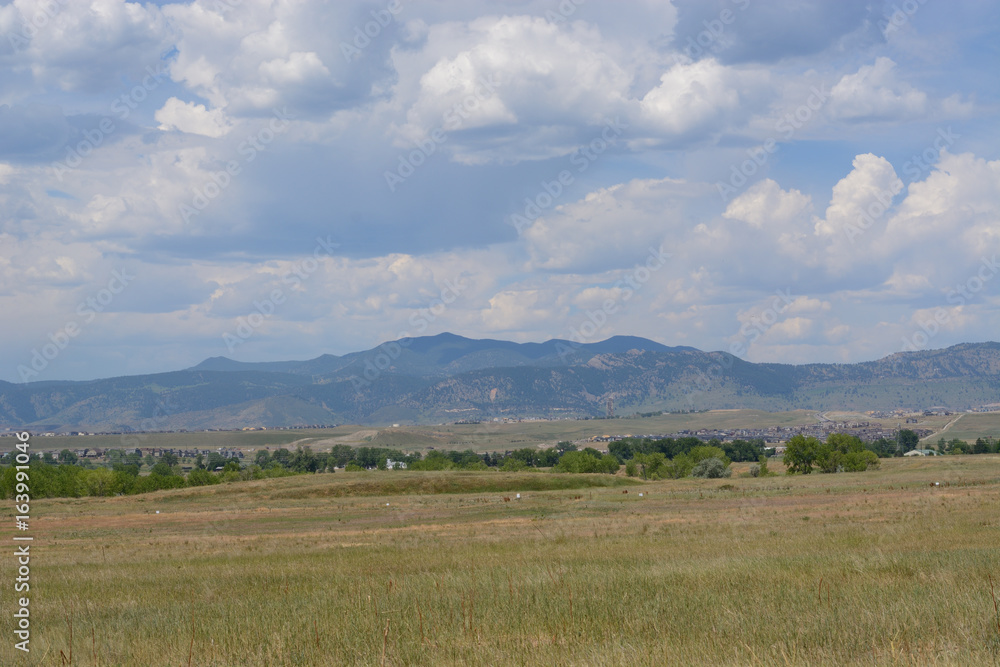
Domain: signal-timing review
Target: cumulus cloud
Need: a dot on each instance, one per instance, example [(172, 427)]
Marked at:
[(611, 227), (765, 203), (873, 93), (701, 98), (193, 118)]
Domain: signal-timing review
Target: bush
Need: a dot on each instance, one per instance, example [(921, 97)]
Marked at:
[(630, 468), (679, 466), (755, 470), (353, 467), (199, 477), (712, 468), (511, 464)]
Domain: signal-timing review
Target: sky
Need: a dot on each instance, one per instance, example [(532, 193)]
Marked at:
[(788, 181)]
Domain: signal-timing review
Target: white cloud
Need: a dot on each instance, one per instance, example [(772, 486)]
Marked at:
[(701, 97), (193, 118), (860, 199), (766, 204), (874, 93), (611, 227)]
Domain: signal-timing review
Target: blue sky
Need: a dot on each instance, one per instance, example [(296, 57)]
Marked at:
[(789, 181)]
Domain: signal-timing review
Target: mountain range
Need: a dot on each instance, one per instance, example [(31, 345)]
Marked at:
[(447, 378)]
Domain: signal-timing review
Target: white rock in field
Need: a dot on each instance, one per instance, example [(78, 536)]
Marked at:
[(640, 495), (519, 496), (157, 511)]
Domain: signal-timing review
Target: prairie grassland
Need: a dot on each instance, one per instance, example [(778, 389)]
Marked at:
[(849, 569)]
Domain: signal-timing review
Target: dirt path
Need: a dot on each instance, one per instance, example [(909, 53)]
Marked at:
[(946, 427)]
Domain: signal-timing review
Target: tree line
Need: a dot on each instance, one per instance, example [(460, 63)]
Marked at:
[(65, 475)]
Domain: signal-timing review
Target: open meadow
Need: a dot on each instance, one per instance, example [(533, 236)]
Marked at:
[(409, 568)]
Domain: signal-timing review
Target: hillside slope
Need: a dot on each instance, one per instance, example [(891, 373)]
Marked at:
[(449, 378)]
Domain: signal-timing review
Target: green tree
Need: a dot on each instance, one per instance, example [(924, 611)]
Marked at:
[(565, 446), (99, 482), (341, 455), (201, 477), (699, 454), (762, 463), (908, 440), (652, 466), (578, 462), (679, 467), (161, 469), (800, 454), (511, 464), (170, 459), (282, 456), (68, 457), (303, 460), (860, 461)]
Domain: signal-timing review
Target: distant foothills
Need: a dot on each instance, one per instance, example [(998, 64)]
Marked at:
[(449, 378)]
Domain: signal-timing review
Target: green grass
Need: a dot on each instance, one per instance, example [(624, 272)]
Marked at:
[(972, 426), (850, 569)]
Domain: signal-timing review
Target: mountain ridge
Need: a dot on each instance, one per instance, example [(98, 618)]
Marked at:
[(434, 378)]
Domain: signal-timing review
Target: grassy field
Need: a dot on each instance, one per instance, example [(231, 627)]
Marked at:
[(498, 436), (405, 568), (972, 426)]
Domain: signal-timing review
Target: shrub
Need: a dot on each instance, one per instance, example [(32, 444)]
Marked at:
[(199, 477), (679, 466), (755, 470), (711, 468), (630, 468), (512, 464), (699, 454)]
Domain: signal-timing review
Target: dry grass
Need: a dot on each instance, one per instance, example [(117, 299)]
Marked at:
[(868, 568)]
